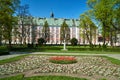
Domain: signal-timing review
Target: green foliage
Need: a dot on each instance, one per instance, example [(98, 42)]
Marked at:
[(88, 27), (30, 45), (99, 45), (3, 50), (46, 31), (74, 41), (91, 46), (7, 19), (78, 48), (104, 46), (41, 41), (4, 53), (64, 32), (106, 13)]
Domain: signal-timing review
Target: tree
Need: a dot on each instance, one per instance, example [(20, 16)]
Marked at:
[(64, 32), (74, 41), (7, 18), (15, 33), (24, 23), (34, 24), (88, 27), (107, 13), (46, 32)]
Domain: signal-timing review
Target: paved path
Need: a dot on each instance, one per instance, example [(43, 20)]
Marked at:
[(14, 54)]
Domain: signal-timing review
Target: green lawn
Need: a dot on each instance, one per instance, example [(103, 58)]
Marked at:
[(21, 77), (18, 77), (12, 59), (58, 49), (112, 60), (76, 49)]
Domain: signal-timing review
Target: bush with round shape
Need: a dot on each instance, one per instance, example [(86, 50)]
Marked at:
[(74, 41), (41, 41)]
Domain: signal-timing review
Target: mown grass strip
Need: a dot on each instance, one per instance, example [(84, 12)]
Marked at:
[(18, 77), (21, 77), (113, 60), (12, 59)]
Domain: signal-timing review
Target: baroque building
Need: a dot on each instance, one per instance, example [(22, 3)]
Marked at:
[(54, 25), (32, 31)]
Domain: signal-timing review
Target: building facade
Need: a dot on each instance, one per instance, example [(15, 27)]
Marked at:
[(54, 26), (26, 32)]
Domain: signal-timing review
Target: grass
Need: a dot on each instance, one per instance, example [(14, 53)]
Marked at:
[(75, 49), (112, 60), (71, 49), (18, 77), (21, 77), (54, 78), (87, 51), (12, 59)]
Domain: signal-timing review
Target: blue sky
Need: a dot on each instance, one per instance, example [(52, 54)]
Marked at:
[(60, 8)]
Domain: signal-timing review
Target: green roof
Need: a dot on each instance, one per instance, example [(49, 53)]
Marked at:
[(56, 21)]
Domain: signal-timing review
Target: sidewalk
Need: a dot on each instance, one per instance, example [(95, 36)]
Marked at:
[(14, 54)]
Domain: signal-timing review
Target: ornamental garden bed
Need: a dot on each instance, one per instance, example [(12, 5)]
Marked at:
[(88, 66), (63, 59)]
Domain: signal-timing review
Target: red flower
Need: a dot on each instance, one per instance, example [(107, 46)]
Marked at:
[(65, 58)]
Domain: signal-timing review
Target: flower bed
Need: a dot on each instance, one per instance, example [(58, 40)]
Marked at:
[(92, 66), (63, 59)]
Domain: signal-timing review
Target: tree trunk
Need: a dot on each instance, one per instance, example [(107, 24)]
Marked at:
[(111, 40), (0, 40), (84, 37), (88, 39), (90, 36), (104, 33), (10, 40), (115, 37)]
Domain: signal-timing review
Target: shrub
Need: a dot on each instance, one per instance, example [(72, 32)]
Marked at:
[(41, 41), (30, 45), (4, 53), (91, 45), (99, 45), (104, 46), (63, 60), (74, 41)]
